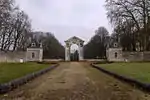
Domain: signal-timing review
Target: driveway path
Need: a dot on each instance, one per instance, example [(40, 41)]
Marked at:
[(75, 81)]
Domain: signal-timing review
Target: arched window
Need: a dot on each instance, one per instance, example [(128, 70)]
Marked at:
[(115, 45), (33, 55), (116, 54)]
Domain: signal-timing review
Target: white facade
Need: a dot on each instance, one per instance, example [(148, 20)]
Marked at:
[(71, 41), (114, 54), (34, 54)]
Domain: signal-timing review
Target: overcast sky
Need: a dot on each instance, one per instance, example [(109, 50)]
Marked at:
[(66, 18)]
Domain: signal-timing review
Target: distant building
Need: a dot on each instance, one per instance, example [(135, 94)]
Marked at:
[(33, 53), (115, 53)]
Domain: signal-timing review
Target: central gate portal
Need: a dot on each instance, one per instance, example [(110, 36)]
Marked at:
[(71, 41)]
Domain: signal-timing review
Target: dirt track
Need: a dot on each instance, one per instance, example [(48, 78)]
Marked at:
[(75, 81)]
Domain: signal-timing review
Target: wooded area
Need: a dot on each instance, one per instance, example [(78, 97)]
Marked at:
[(15, 26), (96, 47), (16, 32), (131, 22)]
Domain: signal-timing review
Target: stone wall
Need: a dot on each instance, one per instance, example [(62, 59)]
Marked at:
[(95, 60), (12, 56), (117, 55), (52, 60), (133, 56), (146, 56), (136, 56)]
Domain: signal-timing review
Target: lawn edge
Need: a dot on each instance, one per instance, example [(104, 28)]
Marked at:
[(9, 86), (133, 82)]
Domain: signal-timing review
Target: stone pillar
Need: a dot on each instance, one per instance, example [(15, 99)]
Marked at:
[(67, 55), (81, 56), (41, 55)]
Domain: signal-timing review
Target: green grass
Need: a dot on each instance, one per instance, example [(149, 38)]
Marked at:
[(138, 71), (10, 71)]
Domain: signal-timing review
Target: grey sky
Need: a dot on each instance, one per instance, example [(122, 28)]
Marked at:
[(66, 18)]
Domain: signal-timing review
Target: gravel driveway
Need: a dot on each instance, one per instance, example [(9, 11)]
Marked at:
[(75, 81)]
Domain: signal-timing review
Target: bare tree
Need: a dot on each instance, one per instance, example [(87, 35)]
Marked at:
[(15, 26), (136, 11)]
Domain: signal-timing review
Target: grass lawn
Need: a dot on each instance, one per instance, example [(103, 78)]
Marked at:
[(138, 71), (10, 71)]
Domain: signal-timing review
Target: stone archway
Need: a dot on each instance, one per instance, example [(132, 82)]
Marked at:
[(77, 41)]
